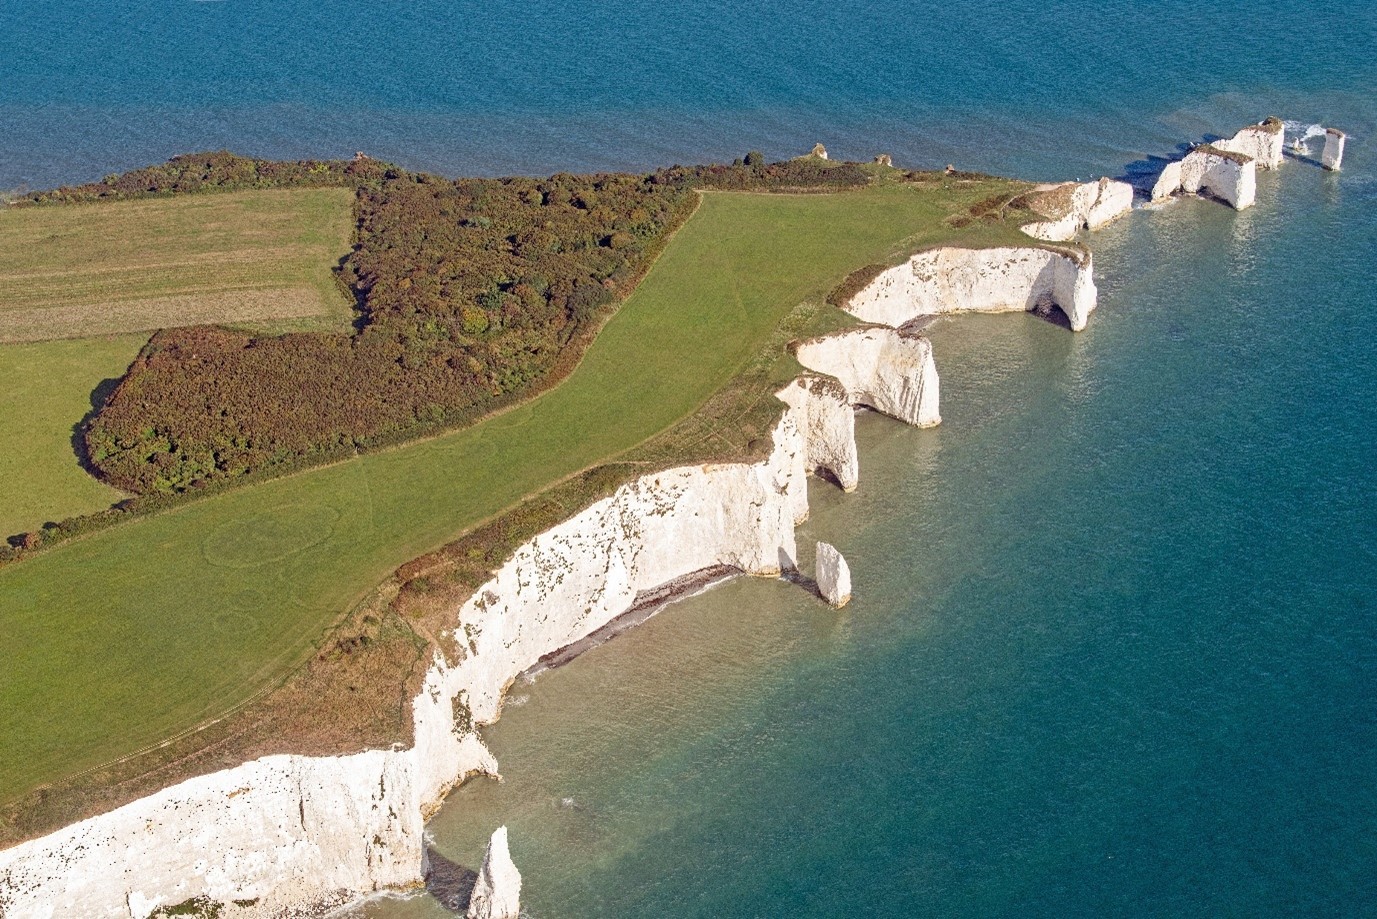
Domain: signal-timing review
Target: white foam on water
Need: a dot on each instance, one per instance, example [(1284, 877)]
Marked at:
[(1300, 132)]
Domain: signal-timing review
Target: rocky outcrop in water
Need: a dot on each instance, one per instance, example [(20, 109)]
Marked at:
[(823, 410), (497, 892), (1225, 169), (833, 576), (1262, 142), (1333, 156)]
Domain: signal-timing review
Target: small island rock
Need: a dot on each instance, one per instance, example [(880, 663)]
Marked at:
[(834, 577), (497, 893), (1333, 156)]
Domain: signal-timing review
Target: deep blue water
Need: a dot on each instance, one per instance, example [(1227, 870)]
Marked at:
[(1045, 89), (1112, 650)]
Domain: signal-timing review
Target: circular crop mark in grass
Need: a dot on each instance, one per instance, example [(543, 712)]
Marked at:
[(241, 614), (235, 623), (269, 536)]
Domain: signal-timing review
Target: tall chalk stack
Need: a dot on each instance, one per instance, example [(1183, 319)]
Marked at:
[(1333, 156), (834, 576), (497, 893)]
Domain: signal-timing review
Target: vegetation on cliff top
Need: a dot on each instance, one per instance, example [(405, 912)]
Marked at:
[(125, 638)]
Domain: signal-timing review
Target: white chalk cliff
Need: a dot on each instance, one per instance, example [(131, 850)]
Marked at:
[(1225, 169), (1091, 205), (288, 832), (1262, 142), (889, 370), (950, 280), (1333, 156), (823, 409), (497, 892)]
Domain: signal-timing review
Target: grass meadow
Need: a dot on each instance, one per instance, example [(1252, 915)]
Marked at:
[(47, 389), (115, 641), (262, 258)]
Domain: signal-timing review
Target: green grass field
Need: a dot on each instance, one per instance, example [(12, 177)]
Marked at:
[(48, 388), (258, 258), (118, 640)]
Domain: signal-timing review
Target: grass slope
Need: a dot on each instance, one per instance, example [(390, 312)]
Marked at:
[(48, 388), (252, 257), (119, 640)]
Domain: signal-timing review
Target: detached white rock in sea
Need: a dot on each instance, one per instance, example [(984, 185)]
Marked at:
[(1333, 155), (497, 893), (834, 576), (1226, 169), (1262, 142)]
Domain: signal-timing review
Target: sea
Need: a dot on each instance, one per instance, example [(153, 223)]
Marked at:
[(1113, 647)]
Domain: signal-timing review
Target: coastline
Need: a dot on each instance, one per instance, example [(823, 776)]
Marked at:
[(786, 465)]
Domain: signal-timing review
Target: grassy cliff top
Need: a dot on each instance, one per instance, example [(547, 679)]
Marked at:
[(124, 638)]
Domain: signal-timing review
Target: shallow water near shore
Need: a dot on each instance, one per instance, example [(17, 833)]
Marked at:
[(1111, 650)]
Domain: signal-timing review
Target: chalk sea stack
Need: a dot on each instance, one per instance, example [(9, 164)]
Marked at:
[(497, 893), (834, 576)]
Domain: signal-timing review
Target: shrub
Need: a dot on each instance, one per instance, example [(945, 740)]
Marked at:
[(471, 293)]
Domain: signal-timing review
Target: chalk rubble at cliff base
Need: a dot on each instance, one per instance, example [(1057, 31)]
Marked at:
[(284, 834)]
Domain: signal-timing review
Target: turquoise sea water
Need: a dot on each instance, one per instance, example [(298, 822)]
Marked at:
[(1112, 650)]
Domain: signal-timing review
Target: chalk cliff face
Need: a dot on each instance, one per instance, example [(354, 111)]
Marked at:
[(822, 407), (886, 369), (833, 575), (1262, 142), (280, 831), (952, 280), (1225, 169), (1092, 205), (1168, 182), (288, 832), (497, 892), (1333, 156), (1231, 177)]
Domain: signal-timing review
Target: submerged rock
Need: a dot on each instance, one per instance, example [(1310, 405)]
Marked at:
[(497, 893), (834, 576)]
